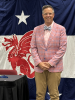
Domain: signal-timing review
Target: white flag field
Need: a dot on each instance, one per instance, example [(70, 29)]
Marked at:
[(68, 59)]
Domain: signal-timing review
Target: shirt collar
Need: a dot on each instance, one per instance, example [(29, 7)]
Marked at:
[(50, 25)]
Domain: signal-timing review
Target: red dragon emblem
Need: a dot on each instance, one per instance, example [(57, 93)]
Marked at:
[(18, 53)]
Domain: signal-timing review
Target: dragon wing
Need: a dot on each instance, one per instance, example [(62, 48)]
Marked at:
[(24, 44)]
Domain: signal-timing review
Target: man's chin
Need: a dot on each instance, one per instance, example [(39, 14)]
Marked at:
[(49, 22)]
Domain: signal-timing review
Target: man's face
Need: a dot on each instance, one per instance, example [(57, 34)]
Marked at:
[(48, 15)]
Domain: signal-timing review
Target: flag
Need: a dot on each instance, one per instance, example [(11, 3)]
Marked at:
[(17, 21)]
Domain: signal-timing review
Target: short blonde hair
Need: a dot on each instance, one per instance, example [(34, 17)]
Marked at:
[(47, 6)]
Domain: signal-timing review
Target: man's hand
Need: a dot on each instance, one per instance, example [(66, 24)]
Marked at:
[(47, 64), (44, 65)]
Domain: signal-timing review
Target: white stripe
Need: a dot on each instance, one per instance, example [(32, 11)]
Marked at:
[(68, 59)]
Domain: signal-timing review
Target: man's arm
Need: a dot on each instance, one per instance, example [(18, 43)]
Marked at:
[(62, 49), (34, 52)]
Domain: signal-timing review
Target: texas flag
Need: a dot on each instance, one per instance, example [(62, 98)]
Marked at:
[(17, 21)]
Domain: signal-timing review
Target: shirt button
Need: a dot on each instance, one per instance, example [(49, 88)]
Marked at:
[(45, 49)]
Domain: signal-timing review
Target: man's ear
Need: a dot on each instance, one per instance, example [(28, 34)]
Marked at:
[(54, 14)]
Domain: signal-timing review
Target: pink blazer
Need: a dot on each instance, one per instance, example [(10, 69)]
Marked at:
[(53, 52)]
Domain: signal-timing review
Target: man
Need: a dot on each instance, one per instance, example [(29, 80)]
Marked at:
[(48, 46)]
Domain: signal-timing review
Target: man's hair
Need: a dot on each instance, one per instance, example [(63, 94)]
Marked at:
[(47, 6)]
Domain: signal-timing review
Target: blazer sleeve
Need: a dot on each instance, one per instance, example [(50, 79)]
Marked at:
[(34, 52), (62, 49)]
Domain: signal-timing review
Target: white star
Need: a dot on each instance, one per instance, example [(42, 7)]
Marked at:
[(49, 94), (22, 18), (60, 94)]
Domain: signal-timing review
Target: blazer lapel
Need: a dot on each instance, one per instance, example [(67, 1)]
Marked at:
[(42, 35), (51, 35)]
